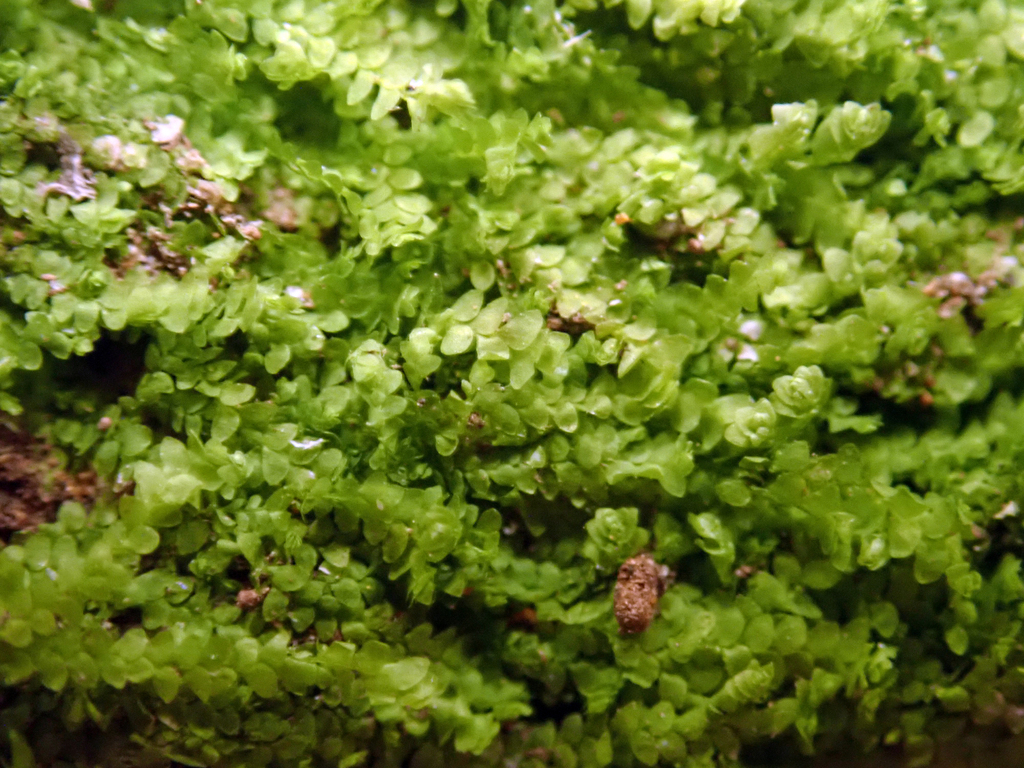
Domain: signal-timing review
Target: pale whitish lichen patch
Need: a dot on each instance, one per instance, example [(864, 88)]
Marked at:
[(167, 132)]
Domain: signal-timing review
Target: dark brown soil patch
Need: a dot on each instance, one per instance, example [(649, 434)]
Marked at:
[(32, 484)]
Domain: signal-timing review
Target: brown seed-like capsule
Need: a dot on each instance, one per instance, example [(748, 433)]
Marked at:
[(247, 599), (641, 582)]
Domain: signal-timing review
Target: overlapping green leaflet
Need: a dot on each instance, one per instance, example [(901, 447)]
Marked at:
[(394, 328)]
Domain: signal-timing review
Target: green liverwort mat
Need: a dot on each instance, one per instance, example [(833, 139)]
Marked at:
[(510, 383)]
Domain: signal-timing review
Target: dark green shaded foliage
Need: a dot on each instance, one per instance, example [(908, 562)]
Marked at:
[(395, 327)]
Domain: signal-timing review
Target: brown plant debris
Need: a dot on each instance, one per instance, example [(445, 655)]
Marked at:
[(959, 290), (32, 485), (641, 583), (576, 325), (76, 181), (150, 249), (208, 197)]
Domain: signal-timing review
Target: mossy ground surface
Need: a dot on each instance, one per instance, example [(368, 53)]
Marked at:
[(349, 348)]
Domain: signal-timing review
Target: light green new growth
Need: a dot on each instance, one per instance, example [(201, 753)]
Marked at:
[(391, 328)]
